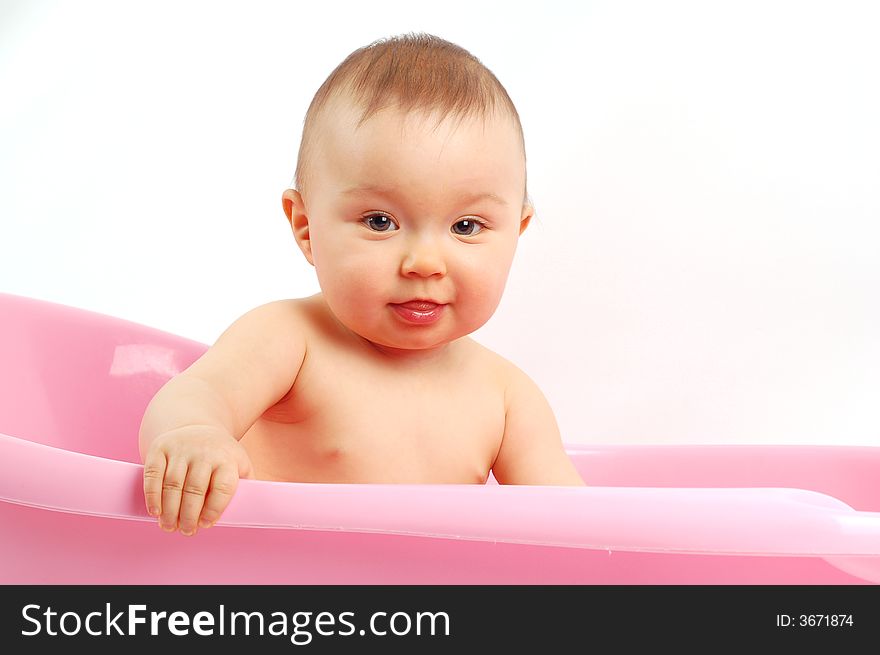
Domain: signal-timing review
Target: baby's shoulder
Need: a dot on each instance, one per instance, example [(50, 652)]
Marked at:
[(277, 321), (516, 385), (305, 319), (502, 370), (287, 312)]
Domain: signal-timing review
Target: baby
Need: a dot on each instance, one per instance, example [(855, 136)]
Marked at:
[(411, 220)]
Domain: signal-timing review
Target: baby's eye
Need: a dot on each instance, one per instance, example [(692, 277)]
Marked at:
[(467, 228), (380, 223)]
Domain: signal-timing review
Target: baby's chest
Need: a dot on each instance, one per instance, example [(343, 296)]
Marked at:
[(455, 422), (404, 415)]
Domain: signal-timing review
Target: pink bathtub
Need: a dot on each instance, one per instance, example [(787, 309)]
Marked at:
[(73, 387)]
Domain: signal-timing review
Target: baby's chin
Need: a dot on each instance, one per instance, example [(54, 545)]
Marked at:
[(410, 340), (412, 343)]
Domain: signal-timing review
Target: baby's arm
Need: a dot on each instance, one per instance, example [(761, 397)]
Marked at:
[(531, 450), (190, 430)]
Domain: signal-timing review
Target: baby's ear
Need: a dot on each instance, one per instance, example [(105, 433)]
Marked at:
[(527, 213), (295, 210)]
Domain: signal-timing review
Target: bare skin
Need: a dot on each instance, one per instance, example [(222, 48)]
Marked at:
[(383, 421), (341, 387)]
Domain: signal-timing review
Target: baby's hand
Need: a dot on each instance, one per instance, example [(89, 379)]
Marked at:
[(190, 475)]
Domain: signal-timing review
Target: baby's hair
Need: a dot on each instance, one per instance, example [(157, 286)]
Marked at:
[(415, 72)]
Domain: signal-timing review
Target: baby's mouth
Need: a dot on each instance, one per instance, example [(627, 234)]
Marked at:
[(419, 312), (418, 305)]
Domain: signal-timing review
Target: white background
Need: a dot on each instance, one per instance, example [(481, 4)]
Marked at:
[(703, 266)]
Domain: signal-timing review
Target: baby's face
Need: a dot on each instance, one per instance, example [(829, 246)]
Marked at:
[(398, 211)]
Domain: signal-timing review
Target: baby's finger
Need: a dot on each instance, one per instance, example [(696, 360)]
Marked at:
[(154, 473), (194, 489), (172, 487), (223, 485)]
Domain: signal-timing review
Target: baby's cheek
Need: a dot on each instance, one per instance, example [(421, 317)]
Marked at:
[(482, 292), (346, 268), (362, 285), (365, 273)]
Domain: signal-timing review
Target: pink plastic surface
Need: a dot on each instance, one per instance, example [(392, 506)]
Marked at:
[(74, 385)]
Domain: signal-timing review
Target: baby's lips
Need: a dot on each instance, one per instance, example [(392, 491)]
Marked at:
[(419, 305)]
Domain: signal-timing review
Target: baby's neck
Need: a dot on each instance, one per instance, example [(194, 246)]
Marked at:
[(415, 357)]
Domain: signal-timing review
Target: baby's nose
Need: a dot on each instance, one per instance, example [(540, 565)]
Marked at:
[(423, 259)]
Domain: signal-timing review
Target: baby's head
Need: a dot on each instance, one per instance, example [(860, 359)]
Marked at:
[(410, 186)]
